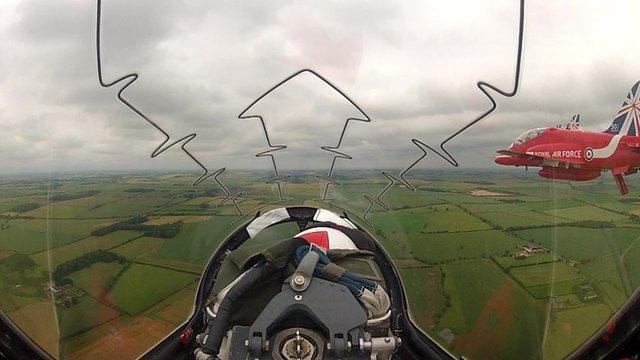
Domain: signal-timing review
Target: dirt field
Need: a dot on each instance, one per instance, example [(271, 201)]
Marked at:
[(492, 326), (161, 220), (39, 323), (5, 253), (130, 339)]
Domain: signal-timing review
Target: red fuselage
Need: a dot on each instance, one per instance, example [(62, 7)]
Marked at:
[(576, 149), (575, 155)]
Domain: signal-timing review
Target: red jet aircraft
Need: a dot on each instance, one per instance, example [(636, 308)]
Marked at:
[(572, 154)]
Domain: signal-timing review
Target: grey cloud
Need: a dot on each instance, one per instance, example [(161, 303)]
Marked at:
[(412, 66)]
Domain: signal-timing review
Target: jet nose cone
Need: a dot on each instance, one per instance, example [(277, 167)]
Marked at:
[(502, 160)]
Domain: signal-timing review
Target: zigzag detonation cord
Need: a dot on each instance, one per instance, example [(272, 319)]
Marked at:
[(167, 143), (444, 154), (331, 149)]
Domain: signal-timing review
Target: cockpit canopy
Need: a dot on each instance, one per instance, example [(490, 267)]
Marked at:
[(531, 134)]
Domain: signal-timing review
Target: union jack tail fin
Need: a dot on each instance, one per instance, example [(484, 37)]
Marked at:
[(574, 124), (626, 121)]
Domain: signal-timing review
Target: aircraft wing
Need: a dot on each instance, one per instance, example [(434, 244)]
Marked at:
[(511, 153)]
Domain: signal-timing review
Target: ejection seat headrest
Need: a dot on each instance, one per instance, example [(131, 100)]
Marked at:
[(328, 238)]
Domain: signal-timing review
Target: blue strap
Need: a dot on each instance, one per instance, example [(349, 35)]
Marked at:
[(353, 282)]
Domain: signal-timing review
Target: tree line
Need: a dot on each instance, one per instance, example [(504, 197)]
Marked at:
[(136, 223), (24, 207), (80, 195), (62, 271)]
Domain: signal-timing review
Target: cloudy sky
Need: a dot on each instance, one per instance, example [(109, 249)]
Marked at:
[(412, 67)]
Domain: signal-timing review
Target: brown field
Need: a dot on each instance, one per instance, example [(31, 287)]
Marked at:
[(177, 308), (106, 223), (408, 263), (483, 339), (140, 247), (247, 206), (434, 304), (129, 338), (5, 253), (161, 220), (38, 321), (483, 192), (197, 218), (203, 200)]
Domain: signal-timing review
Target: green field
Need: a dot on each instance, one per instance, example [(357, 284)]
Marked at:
[(457, 252), (547, 273), (629, 207), (631, 262), (494, 207), (182, 209), (39, 234), (98, 279), (424, 289), (559, 288), (20, 281), (196, 242), (436, 248), (553, 204), (73, 208), (581, 243), (509, 261), (176, 308), (87, 314), (447, 217), (76, 249), (521, 219), (614, 297), (483, 300), (394, 231), (406, 221), (140, 287), (608, 270), (569, 328), (128, 206), (586, 212), (513, 215), (140, 247)]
